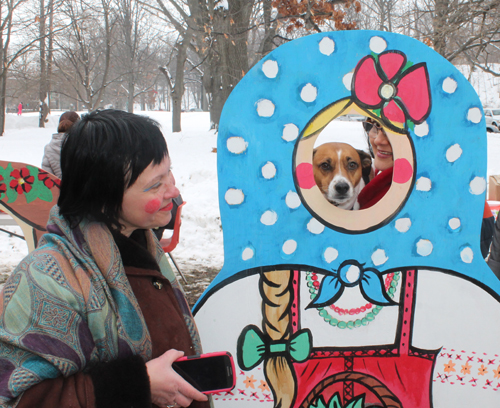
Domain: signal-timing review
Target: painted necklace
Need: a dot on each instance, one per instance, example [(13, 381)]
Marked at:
[(391, 283)]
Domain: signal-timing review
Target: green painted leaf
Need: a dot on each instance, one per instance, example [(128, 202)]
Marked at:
[(11, 193), (357, 402), (45, 193), (320, 403), (407, 65), (335, 401)]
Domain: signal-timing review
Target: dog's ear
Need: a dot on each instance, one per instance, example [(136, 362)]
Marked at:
[(366, 165)]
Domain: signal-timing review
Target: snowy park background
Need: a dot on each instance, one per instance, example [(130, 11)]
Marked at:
[(200, 251)]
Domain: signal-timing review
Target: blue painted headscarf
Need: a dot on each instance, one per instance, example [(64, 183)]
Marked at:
[(267, 218)]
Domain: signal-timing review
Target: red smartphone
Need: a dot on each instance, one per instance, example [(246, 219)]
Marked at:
[(209, 373)]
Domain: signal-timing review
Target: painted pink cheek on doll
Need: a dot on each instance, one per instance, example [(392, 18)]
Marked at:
[(152, 206)]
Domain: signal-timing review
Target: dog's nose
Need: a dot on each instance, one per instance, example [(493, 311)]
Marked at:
[(342, 188)]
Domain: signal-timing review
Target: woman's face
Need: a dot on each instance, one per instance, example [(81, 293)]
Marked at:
[(382, 149), (148, 202)]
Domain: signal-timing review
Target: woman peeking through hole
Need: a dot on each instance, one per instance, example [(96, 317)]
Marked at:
[(383, 164)]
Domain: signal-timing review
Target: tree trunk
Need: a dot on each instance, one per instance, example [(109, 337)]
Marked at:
[(44, 110), (3, 76), (231, 61), (440, 25), (130, 96), (178, 90), (3, 91), (50, 55)]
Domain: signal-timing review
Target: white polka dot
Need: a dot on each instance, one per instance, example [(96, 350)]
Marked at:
[(265, 108), (269, 218), (290, 132), (377, 44), (379, 257), (467, 255), (347, 80), (422, 129), (424, 247), (309, 93), (270, 68), (403, 224), (315, 227), (352, 274), (292, 199), (247, 254), (449, 85), (236, 144), (330, 254), (453, 153), (326, 46), (289, 247), (268, 170), (234, 196), (477, 185), (474, 115), (424, 184), (454, 223)]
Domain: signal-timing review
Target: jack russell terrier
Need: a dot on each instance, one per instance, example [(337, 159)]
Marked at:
[(341, 172)]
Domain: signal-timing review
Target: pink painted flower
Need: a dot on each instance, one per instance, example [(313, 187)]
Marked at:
[(385, 84)]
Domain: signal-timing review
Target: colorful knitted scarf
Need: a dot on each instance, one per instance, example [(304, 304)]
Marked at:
[(69, 305)]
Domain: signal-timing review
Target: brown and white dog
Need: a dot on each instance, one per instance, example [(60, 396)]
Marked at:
[(341, 172)]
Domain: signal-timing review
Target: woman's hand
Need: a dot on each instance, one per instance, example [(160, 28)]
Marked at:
[(167, 387)]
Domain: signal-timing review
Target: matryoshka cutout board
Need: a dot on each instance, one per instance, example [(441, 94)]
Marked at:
[(387, 306)]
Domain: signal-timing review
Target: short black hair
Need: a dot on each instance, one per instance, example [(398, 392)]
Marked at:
[(103, 154)]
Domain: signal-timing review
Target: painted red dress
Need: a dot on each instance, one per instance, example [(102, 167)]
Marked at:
[(396, 375)]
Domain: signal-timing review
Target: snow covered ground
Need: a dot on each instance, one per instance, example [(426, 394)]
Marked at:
[(194, 167), (195, 170)]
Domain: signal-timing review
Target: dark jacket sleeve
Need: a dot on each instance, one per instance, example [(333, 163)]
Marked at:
[(117, 384), (76, 391), (494, 259)]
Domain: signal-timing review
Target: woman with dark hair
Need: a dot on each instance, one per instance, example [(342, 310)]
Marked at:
[(94, 317), (52, 151), (383, 163)]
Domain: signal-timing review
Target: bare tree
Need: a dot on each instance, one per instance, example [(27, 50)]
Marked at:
[(84, 52), (137, 46), (44, 76), (15, 20), (379, 14), (457, 28)]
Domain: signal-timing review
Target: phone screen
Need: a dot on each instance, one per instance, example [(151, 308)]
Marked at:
[(206, 373)]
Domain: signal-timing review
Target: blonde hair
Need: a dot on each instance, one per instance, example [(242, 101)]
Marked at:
[(277, 297)]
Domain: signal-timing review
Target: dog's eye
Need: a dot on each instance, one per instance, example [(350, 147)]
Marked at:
[(325, 166), (352, 165)]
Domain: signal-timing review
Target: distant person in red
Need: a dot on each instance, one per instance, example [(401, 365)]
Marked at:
[(20, 108)]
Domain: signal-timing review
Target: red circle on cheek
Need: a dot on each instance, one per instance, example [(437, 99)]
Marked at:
[(305, 175), (152, 206), (402, 171)]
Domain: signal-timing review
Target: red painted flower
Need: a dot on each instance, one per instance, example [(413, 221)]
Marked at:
[(22, 180), (44, 176), (399, 94), (3, 187)]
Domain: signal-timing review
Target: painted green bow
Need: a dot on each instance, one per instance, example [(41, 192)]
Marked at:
[(253, 346)]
